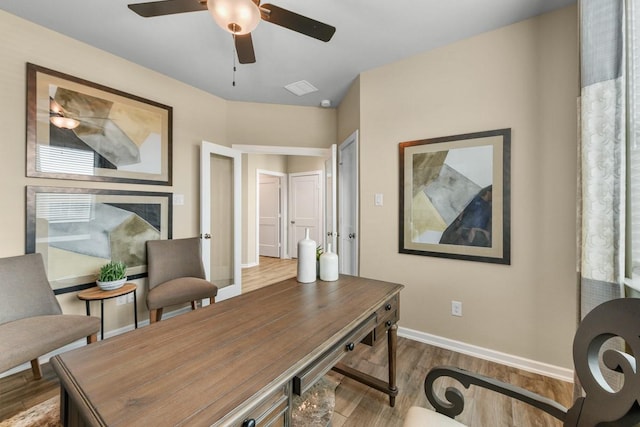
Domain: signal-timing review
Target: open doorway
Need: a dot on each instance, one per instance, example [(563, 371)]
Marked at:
[(282, 160), (271, 205)]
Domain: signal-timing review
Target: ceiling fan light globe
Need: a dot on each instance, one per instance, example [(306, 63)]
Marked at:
[(64, 122), (236, 16)]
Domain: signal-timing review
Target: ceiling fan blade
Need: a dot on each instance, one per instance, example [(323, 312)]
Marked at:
[(167, 7), (244, 47), (301, 24)]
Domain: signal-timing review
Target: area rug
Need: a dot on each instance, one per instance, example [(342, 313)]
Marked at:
[(45, 414), (313, 409)]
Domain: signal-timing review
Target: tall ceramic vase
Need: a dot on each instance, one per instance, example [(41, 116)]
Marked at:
[(328, 265), (306, 259)]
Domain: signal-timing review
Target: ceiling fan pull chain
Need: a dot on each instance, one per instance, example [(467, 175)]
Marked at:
[(234, 60)]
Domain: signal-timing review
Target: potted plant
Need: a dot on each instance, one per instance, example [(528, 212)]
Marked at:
[(112, 275), (319, 252)]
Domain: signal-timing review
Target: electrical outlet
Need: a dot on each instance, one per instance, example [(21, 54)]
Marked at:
[(456, 308), (121, 300)]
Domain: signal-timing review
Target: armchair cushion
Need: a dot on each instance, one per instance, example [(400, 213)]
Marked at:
[(26, 339), (31, 321), (421, 417), (179, 290)]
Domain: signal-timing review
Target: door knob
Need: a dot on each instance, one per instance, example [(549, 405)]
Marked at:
[(206, 236), (352, 235), (293, 222)]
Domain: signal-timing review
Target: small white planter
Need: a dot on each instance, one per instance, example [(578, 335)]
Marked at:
[(110, 286)]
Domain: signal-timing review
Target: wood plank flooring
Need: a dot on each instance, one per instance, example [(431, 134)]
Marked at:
[(269, 271), (356, 404)]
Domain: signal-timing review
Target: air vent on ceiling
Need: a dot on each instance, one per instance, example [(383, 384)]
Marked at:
[(300, 88)]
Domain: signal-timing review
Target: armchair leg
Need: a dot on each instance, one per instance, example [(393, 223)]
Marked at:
[(155, 315), (92, 338), (194, 305), (35, 367), (212, 300)]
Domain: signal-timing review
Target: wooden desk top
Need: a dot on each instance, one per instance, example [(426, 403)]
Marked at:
[(199, 368), (96, 293)]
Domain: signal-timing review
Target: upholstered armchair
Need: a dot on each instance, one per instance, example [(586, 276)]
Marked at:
[(176, 275), (603, 403), (31, 320)]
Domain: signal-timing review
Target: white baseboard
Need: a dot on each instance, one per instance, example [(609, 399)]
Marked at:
[(528, 365), (249, 265)]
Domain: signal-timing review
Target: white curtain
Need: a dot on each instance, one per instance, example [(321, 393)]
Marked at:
[(609, 155), (602, 162)]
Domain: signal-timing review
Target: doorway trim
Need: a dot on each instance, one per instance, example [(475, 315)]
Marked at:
[(282, 177)]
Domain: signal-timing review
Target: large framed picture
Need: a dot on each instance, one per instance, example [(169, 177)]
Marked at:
[(455, 197), (81, 130), (77, 230)]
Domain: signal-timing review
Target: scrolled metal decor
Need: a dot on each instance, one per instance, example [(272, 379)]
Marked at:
[(602, 404), (454, 403)]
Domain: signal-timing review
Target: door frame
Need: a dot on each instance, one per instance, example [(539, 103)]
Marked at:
[(283, 210), (206, 150)]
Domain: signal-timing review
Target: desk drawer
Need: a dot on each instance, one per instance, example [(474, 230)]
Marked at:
[(387, 314), (324, 363), (271, 411)]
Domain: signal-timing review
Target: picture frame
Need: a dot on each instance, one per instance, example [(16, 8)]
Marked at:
[(77, 230), (80, 130), (455, 197)]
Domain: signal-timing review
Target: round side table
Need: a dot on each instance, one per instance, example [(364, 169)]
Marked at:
[(97, 294)]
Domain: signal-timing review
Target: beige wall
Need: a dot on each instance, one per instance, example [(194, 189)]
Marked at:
[(281, 125), (349, 112), (523, 77)]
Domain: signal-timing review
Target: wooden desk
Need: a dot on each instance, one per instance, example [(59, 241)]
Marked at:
[(231, 362)]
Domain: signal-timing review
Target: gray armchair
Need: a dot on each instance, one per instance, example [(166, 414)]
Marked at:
[(602, 405), (176, 275), (31, 321)]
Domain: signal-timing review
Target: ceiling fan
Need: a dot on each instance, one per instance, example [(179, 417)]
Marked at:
[(240, 17)]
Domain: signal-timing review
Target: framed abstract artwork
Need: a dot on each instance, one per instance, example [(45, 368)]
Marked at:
[(77, 230), (81, 130), (455, 197)]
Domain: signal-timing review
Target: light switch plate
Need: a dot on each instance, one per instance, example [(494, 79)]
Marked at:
[(378, 200)]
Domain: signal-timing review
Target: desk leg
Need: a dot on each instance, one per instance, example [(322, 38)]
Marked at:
[(392, 343), (389, 387)]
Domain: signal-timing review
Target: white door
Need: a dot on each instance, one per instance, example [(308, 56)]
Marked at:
[(269, 215), (220, 217), (348, 241), (305, 208)]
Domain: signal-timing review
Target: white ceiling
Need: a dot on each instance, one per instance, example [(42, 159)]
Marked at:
[(191, 48)]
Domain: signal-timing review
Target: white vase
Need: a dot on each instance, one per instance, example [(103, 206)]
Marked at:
[(306, 259), (328, 265)]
